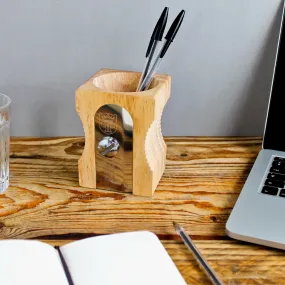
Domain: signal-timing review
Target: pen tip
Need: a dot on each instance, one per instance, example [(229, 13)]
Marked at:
[(176, 226)]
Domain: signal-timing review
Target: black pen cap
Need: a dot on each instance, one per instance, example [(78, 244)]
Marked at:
[(172, 31), (158, 31), (161, 24)]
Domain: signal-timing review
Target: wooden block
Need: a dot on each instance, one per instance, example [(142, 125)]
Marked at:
[(149, 150)]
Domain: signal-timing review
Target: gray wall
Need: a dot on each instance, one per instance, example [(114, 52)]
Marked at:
[(221, 61)]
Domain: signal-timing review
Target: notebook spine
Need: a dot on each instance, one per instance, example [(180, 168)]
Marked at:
[(65, 267)]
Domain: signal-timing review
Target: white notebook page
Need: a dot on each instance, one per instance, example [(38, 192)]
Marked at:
[(136, 258), (24, 262)]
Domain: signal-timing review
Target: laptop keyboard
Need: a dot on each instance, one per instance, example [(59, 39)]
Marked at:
[(275, 182)]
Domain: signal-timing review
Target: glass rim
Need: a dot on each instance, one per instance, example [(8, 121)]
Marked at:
[(8, 103)]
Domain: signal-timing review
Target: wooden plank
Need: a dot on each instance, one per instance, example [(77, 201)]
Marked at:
[(201, 183)]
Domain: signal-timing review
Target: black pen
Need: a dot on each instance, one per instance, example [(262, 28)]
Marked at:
[(168, 40), (155, 38), (200, 259)]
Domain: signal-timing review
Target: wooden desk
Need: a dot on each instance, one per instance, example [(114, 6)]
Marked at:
[(202, 181)]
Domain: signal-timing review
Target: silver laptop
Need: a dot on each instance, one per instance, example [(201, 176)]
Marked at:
[(259, 213)]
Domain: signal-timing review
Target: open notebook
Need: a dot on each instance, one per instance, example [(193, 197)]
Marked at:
[(136, 258)]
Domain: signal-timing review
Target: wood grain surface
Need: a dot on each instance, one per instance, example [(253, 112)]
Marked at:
[(201, 183)]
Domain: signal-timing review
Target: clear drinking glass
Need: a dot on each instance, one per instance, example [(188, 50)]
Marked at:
[(5, 103)]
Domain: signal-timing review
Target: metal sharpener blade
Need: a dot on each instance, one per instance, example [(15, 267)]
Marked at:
[(114, 148)]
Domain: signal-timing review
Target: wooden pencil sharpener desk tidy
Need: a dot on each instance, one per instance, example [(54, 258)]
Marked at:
[(124, 148)]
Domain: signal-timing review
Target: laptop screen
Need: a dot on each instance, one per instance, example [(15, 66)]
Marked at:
[(274, 135)]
